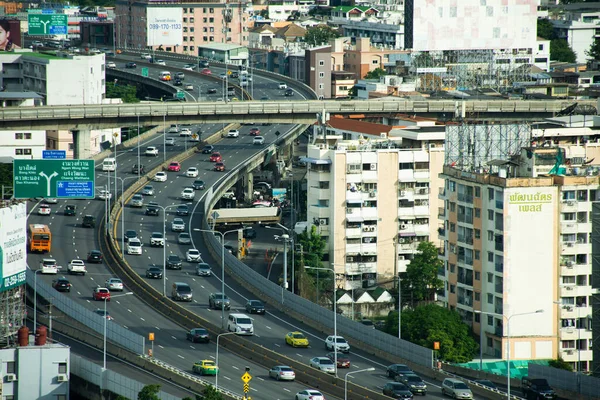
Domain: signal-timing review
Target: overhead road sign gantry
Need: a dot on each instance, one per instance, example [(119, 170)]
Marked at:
[(53, 178)]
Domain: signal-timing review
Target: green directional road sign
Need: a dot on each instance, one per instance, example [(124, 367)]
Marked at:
[(53, 178), (145, 72), (47, 24), (180, 95)]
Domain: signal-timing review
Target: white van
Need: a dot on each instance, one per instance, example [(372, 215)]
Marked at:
[(109, 164), (240, 324), (164, 76)]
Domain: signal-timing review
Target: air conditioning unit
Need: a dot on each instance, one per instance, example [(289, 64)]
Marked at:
[(571, 202), (62, 378), (322, 221), (403, 226), (402, 193), (372, 194), (569, 287), (570, 244), (569, 352), (373, 167), (10, 377), (570, 264)]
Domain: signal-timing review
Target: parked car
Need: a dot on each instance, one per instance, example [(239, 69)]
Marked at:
[(456, 388)]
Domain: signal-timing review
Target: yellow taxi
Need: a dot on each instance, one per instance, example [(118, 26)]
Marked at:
[(205, 367), (296, 339)]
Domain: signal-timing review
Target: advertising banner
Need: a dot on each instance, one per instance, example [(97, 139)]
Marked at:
[(165, 26), (13, 245), (10, 34)]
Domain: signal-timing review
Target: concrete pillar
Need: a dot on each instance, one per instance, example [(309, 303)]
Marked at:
[(81, 144), (249, 186)]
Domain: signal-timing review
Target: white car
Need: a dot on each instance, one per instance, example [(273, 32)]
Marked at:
[(51, 200), (323, 364), (134, 246), (185, 132), (173, 129), (188, 194), (49, 266), (309, 394), (104, 194), (157, 239), (341, 343), (169, 141), (282, 85), (233, 133), (178, 225), (44, 209), (152, 151), (114, 284), (145, 56), (160, 62), (188, 86), (193, 255), (189, 67), (160, 177), (258, 140), (76, 266), (230, 194), (111, 64), (192, 172)]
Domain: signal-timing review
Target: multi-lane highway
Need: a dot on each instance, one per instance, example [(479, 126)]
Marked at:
[(72, 241)]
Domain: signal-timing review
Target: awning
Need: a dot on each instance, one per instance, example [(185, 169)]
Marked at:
[(314, 160), (371, 217), (354, 218), (406, 234), (354, 201)]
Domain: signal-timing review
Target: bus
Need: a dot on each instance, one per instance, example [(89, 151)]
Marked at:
[(39, 238), (109, 164)]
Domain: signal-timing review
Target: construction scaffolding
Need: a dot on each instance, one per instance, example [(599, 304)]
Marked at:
[(469, 147), (12, 314)]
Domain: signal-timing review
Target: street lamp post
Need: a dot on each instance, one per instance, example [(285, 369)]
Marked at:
[(352, 373), (164, 209), (35, 299), (123, 211), (285, 238), (222, 234), (217, 357), (105, 321), (508, 318)]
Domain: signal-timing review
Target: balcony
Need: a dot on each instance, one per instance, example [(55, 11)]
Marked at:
[(406, 175), (368, 248), (369, 213), (568, 206), (422, 193), (361, 268), (465, 279), (441, 193), (406, 194), (569, 355), (316, 211), (406, 228), (369, 176), (441, 213), (322, 193), (353, 232), (422, 210), (568, 227), (570, 333), (406, 211), (353, 248), (407, 247), (421, 229), (421, 175)]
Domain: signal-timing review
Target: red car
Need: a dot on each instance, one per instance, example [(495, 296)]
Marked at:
[(175, 167), (206, 71), (216, 157), (101, 294), (342, 362), (220, 167), (254, 132)]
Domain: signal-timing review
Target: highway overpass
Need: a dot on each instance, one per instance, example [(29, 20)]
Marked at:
[(273, 111)]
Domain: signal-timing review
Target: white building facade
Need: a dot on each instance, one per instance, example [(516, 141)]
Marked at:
[(22, 144)]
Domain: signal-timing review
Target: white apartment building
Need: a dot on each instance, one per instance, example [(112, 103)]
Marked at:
[(371, 198), (579, 34), (23, 144), (516, 240)]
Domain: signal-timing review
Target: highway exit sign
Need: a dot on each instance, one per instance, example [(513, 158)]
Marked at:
[(145, 72), (47, 24), (73, 179)]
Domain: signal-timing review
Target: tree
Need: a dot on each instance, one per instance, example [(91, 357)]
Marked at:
[(431, 323), (421, 278), (545, 29), (127, 93), (309, 253), (594, 52), (375, 74), (210, 393), (561, 51), (149, 392), (560, 364), (353, 91), (320, 34)]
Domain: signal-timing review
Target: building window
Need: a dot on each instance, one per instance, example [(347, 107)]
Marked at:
[(490, 279), (452, 227), (61, 397), (185, 38), (477, 234), (185, 10), (185, 48), (477, 317), (477, 254), (477, 275), (10, 367), (211, 39), (23, 135), (211, 10), (62, 368), (491, 194), (191, 48), (452, 207), (320, 86), (184, 19), (452, 268), (212, 29), (491, 215), (452, 288), (490, 256), (191, 38), (477, 297), (490, 319), (205, 38), (477, 212), (205, 20), (192, 20), (490, 300), (71, 147), (490, 235), (375, 62), (211, 20), (321, 74), (191, 10), (477, 191), (191, 29)]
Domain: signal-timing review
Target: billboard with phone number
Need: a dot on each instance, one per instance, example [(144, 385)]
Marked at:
[(13, 245), (165, 26)]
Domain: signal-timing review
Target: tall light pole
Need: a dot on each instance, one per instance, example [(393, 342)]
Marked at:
[(164, 209), (139, 161), (334, 314), (508, 318), (35, 299), (352, 373), (217, 357), (123, 211), (399, 306), (285, 238), (222, 234), (105, 321)]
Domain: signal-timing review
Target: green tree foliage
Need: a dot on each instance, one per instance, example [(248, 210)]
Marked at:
[(353, 91), (149, 392), (545, 29), (6, 174), (320, 34), (594, 52), (560, 364), (119, 397), (561, 51), (421, 280), (309, 253), (375, 74), (127, 93), (210, 393), (431, 323)]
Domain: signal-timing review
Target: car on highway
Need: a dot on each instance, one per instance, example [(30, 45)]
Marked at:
[(395, 370), (170, 141), (205, 367), (134, 247), (208, 149), (282, 373), (193, 255), (179, 75), (175, 166), (220, 167), (182, 210), (191, 172), (61, 284), (130, 234), (185, 132), (198, 335), (152, 151), (145, 56), (206, 71), (104, 314), (138, 169), (203, 269), (397, 390), (174, 261), (288, 93), (296, 339), (160, 62), (101, 294), (131, 65), (188, 86), (309, 394), (223, 75), (104, 194), (114, 284), (482, 382), (154, 273), (233, 133), (416, 384), (184, 238), (111, 64), (157, 239), (255, 307), (188, 194), (44, 209), (177, 225), (137, 200), (258, 140), (322, 364), (211, 91), (218, 300), (199, 185), (456, 389), (152, 208), (337, 341), (189, 67), (95, 256), (249, 233), (173, 129), (70, 210), (282, 85), (160, 177), (49, 266), (342, 361), (254, 131), (76, 266), (216, 157), (203, 64), (148, 190)]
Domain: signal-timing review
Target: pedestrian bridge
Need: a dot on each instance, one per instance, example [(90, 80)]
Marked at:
[(291, 112)]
